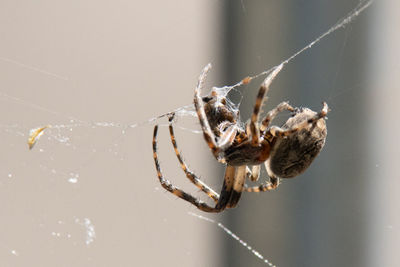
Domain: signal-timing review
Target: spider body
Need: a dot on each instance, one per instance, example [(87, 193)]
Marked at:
[(292, 155), (245, 153), (286, 151)]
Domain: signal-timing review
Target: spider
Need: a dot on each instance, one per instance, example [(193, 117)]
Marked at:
[(286, 151)]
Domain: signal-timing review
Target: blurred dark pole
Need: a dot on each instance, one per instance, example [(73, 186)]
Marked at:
[(319, 218)]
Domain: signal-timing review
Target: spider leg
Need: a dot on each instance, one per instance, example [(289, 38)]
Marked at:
[(227, 186), (254, 173), (255, 135), (201, 114), (276, 131), (227, 137), (232, 188), (272, 114), (174, 190), (189, 174), (238, 184), (271, 185)]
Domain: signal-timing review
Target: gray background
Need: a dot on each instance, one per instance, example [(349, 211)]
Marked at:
[(95, 69)]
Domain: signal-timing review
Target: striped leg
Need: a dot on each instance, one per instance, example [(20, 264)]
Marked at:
[(238, 184), (232, 188), (254, 173), (174, 190), (190, 175), (255, 134), (271, 185), (201, 114), (272, 114), (276, 131), (227, 137)]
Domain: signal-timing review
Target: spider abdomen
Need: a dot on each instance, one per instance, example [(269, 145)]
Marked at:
[(292, 155)]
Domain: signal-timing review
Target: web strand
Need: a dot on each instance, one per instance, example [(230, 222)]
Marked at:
[(234, 236), (187, 110), (363, 5)]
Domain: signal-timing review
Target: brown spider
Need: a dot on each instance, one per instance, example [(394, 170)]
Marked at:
[(286, 151)]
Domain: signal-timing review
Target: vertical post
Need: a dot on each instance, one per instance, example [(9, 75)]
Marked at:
[(317, 218)]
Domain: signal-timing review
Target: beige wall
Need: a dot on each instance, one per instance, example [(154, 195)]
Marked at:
[(99, 61)]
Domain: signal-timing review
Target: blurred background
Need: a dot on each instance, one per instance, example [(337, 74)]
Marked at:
[(100, 72)]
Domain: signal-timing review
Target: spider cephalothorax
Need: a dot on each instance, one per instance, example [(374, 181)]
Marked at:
[(286, 151)]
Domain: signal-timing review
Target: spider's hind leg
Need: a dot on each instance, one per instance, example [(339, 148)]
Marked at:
[(271, 185), (276, 131), (253, 174), (189, 174)]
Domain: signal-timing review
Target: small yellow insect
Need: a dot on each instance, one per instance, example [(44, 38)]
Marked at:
[(35, 134)]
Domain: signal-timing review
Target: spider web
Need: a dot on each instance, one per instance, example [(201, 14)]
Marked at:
[(188, 110), (64, 151)]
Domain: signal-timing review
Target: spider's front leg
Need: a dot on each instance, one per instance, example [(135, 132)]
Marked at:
[(227, 135), (229, 195), (201, 114), (189, 174), (171, 188)]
